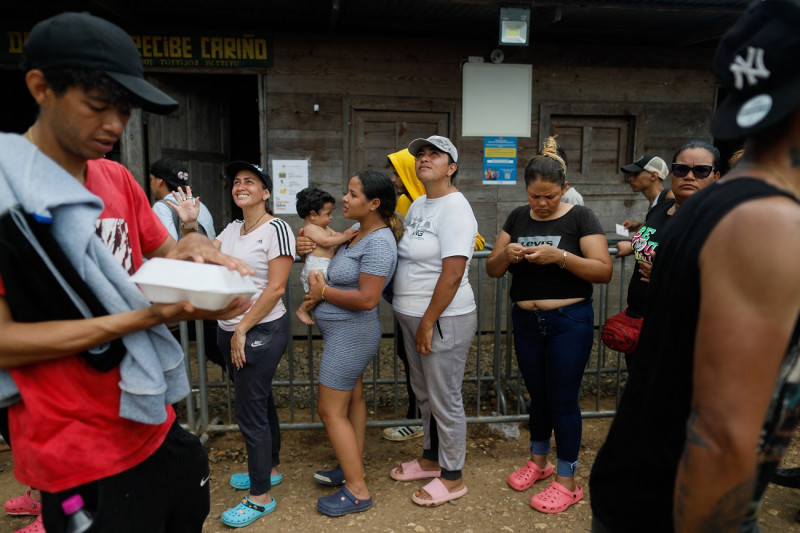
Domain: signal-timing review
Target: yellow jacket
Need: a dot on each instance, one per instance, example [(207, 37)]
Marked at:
[(404, 165)]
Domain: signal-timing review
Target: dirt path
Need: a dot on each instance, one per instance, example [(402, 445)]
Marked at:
[(490, 505)]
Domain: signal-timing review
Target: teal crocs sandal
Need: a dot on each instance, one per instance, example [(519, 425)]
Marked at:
[(241, 481), (246, 513)]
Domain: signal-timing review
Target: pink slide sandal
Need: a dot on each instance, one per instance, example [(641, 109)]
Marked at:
[(411, 471), (438, 493)]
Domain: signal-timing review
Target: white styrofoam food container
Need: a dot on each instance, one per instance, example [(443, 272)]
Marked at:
[(205, 286)]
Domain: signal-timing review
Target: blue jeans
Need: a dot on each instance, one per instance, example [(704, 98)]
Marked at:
[(553, 348)]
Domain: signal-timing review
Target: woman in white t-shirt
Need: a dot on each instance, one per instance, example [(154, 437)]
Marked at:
[(253, 343), (436, 310)]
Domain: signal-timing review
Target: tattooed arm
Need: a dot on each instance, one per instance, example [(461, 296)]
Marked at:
[(750, 300)]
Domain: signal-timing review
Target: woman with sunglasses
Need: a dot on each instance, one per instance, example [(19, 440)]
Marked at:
[(695, 165)]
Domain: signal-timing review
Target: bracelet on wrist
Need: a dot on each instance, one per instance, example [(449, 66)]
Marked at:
[(187, 228), (564, 264), (323, 292)]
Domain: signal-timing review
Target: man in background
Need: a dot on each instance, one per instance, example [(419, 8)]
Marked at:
[(646, 175), (169, 183)]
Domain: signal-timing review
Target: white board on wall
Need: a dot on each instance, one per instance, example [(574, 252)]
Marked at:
[(496, 100)]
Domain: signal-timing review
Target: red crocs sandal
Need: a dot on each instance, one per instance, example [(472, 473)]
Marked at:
[(556, 498), (37, 526), (529, 474), (23, 505)]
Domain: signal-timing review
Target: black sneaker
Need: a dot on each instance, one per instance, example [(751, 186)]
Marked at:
[(334, 476), (787, 477)]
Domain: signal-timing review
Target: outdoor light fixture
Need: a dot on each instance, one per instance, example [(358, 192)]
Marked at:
[(515, 25)]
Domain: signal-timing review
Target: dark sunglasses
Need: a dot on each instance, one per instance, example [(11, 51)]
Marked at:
[(701, 172)]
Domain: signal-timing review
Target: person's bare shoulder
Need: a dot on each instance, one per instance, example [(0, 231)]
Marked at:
[(759, 243), (765, 220)]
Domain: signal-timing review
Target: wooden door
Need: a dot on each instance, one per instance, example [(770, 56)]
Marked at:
[(378, 133), (596, 146), (197, 134)]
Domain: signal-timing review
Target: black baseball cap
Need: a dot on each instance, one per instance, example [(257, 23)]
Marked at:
[(232, 168), (757, 62), (83, 40), (171, 171)]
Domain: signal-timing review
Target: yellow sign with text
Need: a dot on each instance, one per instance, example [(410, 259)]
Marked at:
[(178, 50)]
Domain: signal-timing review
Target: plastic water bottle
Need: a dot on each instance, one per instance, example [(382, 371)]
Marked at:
[(79, 520)]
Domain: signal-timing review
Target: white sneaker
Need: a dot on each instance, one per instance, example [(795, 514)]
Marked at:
[(402, 432)]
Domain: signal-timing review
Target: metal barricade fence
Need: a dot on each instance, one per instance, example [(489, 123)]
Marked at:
[(492, 388)]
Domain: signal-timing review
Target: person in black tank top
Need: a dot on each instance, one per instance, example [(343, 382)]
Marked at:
[(717, 372)]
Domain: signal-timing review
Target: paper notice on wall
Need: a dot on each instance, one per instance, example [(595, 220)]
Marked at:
[(289, 176), (499, 160)]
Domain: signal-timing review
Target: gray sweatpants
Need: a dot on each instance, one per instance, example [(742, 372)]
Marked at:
[(436, 379)]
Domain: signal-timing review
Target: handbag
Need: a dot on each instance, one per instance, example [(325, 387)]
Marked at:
[(41, 284), (621, 332)]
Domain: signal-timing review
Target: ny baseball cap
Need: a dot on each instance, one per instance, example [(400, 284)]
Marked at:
[(83, 40), (442, 143), (650, 163), (756, 62), (232, 168)]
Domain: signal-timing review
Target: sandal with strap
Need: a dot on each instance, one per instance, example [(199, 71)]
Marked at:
[(529, 474), (556, 498), (241, 481), (37, 526), (246, 513), (23, 505)]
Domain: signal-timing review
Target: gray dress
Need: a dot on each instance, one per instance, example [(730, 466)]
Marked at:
[(352, 338)]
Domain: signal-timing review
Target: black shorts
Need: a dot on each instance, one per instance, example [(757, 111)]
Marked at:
[(168, 492)]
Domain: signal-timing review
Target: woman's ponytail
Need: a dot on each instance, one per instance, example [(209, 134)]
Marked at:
[(395, 222)]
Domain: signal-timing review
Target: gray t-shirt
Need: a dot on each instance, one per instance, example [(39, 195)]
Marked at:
[(375, 254)]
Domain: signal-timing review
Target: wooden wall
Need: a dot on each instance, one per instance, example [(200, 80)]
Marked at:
[(672, 105), (669, 95), (645, 99)]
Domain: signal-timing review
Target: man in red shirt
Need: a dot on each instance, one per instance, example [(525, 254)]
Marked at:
[(135, 468)]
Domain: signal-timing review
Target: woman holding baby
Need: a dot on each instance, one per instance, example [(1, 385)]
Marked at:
[(347, 308)]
